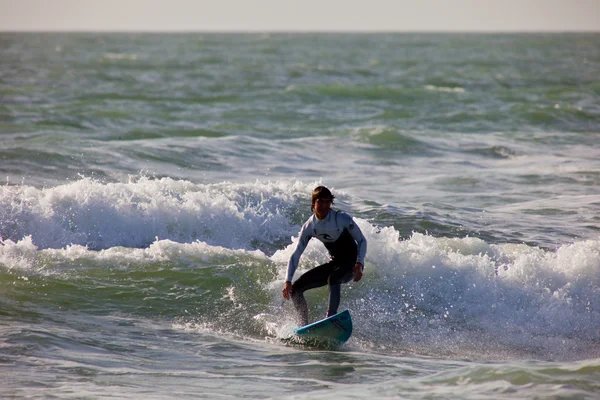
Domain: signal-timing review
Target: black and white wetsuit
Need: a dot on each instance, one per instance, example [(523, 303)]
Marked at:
[(346, 245)]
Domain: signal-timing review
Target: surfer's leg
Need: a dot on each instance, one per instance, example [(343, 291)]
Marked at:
[(314, 278), (301, 308), (335, 292), (340, 275)]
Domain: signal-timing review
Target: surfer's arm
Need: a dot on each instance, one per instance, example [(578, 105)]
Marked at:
[(294, 261), (358, 237), (295, 258), (361, 244)]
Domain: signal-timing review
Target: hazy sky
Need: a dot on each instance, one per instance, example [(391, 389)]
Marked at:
[(300, 15)]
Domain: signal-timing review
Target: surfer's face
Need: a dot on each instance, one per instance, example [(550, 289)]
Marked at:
[(322, 207)]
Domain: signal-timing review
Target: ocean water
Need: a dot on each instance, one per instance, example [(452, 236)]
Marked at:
[(153, 186)]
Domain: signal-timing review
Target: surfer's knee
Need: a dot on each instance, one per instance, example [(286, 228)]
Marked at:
[(338, 280), (296, 290)]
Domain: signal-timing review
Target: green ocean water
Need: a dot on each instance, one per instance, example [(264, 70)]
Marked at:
[(153, 186)]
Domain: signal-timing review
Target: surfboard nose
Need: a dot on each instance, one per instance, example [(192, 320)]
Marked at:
[(337, 328)]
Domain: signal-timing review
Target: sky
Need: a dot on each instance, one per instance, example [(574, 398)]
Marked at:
[(301, 15)]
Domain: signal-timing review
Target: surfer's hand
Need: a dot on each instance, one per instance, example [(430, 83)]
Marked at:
[(287, 290), (357, 271)]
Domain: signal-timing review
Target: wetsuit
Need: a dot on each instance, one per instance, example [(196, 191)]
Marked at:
[(346, 245)]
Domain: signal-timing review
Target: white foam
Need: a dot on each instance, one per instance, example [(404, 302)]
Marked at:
[(504, 290), (120, 56), (26, 256), (445, 89), (101, 216)]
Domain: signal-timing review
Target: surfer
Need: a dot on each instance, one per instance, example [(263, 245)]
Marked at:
[(346, 245)]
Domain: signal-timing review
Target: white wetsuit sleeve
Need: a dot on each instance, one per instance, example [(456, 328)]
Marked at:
[(358, 237), (300, 246)]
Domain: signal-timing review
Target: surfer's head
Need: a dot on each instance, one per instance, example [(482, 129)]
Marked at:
[(321, 193)]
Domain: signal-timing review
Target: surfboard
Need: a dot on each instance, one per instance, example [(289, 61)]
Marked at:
[(328, 332)]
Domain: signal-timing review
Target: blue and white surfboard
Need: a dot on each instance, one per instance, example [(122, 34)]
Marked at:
[(331, 331)]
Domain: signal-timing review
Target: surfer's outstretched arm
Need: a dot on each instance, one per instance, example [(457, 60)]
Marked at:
[(303, 240)]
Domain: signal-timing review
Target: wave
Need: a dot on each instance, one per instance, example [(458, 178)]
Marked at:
[(120, 57), (133, 214), (445, 89), (424, 294), (387, 137)]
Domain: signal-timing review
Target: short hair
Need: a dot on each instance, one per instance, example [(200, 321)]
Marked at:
[(321, 192)]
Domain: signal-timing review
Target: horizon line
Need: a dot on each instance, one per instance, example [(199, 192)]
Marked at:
[(305, 31)]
